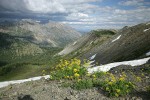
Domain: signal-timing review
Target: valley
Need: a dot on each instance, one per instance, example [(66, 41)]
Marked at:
[(74, 49), (99, 59), (27, 46)]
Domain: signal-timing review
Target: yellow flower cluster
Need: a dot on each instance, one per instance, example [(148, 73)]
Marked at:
[(112, 78), (43, 72), (118, 86), (138, 79), (75, 70), (118, 90), (69, 64), (76, 75), (123, 76), (71, 69)]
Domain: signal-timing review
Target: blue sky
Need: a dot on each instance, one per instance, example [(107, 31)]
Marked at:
[(80, 14)]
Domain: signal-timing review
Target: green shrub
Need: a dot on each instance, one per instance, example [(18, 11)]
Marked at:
[(115, 87), (98, 33), (99, 74), (69, 70), (118, 88)]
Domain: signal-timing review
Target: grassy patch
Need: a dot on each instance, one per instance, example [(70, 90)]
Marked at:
[(83, 84), (77, 77), (99, 33)]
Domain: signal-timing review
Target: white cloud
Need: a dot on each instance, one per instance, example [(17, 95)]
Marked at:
[(82, 12), (77, 1), (131, 3), (44, 6), (33, 6), (77, 16)]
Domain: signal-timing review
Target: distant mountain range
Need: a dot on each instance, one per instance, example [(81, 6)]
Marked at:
[(106, 46), (30, 38), (50, 34)]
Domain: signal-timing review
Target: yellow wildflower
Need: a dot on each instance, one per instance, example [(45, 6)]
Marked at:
[(127, 91), (142, 74), (121, 78), (75, 70), (76, 75), (51, 77), (123, 74), (138, 79), (116, 95), (118, 90), (88, 74), (110, 83), (79, 80), (107, 88), (127, 85), (67, 76), (113, 79), (94, 76), (69, 68), (43, 71), (71, 77)]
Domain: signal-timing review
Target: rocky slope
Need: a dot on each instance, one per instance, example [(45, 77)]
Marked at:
[(87, 42), (129, 43), (54, 90)]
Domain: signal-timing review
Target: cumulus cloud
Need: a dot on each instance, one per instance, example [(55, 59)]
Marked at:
[(132, 3), (44, 6), (77, 13), (35, 6), (41, 6)]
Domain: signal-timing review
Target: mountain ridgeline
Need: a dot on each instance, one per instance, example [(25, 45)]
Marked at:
[(27, 43), (50, 34), (107, 46), (29, 38)]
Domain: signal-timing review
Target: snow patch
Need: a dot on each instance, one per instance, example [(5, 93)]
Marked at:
[(107, 67), (116, 38), (148, 23), (146, 30), (74, 43), (6, 83), (92, 57), (91, 42), (148, 53)]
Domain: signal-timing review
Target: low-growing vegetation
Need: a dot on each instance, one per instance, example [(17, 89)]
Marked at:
[(77, 77), (99, 33), (117, 86)]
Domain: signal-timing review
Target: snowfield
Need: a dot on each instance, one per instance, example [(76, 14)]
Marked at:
[(74, 43), (6, 83), (146, 30), (107, 67), (92, 57), (116, 38)]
